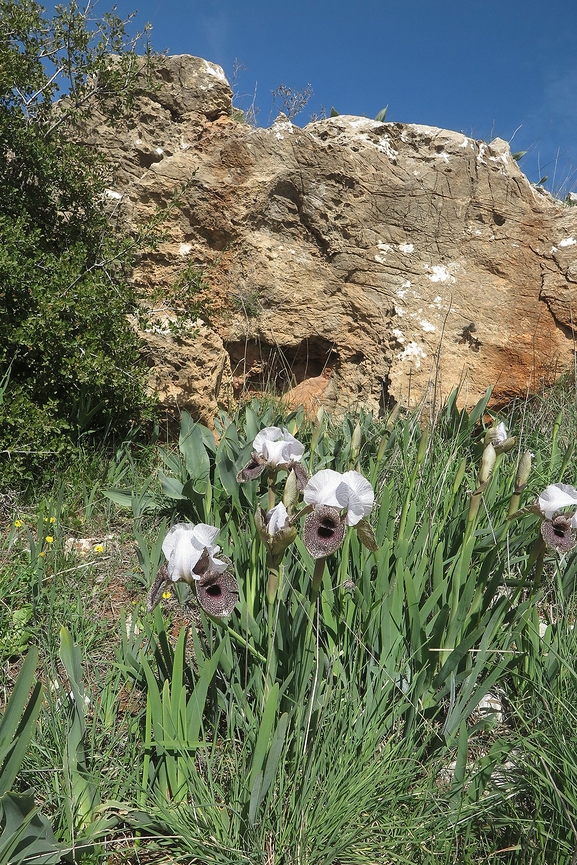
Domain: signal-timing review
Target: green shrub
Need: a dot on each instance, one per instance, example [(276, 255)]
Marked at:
[(69, 359)]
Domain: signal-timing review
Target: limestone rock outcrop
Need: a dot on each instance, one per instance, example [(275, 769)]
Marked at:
[(385, 261)]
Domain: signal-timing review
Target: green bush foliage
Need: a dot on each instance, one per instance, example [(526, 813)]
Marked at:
[(69, 359)]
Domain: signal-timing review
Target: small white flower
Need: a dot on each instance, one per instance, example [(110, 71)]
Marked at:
[(184, 546), (500, 438), (276, 519), (277, 446), (556, 497), (500, 434), (350, 491)]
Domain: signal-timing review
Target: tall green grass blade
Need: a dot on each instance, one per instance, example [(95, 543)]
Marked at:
[(197, 701), (18, 722), (460, 769), (263, 779), (82, 786), (264, 734)]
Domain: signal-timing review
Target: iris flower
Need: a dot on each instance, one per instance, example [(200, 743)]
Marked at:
[(557, 505), (556, 497), (275, 530), (499, 434), (274, 448), (277, 446), (337, 500), (185, 545), (500, 439), (192, 558), (276, 519)]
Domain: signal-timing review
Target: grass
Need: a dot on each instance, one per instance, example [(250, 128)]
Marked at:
[(421, 709)]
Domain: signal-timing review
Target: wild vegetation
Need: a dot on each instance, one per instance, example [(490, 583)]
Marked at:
[(341, 641), (69, 361), (412, 701)]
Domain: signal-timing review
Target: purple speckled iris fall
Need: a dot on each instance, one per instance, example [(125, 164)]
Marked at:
[(338, 500)]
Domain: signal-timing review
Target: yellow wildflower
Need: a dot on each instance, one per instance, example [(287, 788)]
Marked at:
[(49, 539), (167, 595), (18, 523), (98, 548)]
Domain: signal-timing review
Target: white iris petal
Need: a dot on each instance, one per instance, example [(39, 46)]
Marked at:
[(277, 446), (274, 452), (276, 519), (184, 546), (361, 497), (205, 535), (557, 496), (179, 551), (349, 490), (343, 494), (500, 434), (322, 489), (269, 434)]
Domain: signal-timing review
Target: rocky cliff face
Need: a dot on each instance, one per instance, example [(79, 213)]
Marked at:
[(349, 262)]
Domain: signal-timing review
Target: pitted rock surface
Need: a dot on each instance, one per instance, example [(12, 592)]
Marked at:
[(385, 261)]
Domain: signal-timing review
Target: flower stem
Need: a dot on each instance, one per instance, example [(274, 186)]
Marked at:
[(271, 665), (244, 643), (273, 581), (307, 642), (514, 504), (275, 569), (271, 496), (344, 569), (317, 579), (536, 557), (473, 513)]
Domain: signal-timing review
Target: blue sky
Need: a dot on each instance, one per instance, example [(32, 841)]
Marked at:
[(488, 69)]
